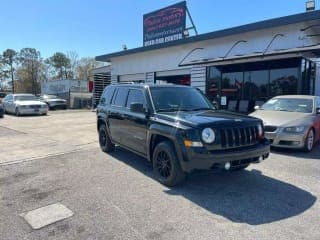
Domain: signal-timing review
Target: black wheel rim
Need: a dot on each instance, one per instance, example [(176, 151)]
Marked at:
[(102, 137), (163, 164)]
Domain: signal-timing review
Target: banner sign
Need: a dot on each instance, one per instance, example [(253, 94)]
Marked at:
[(164, 25), (64, 86)]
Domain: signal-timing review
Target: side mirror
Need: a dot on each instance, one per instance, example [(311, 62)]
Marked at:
[(317, 110), (256, 107), (137, 108)]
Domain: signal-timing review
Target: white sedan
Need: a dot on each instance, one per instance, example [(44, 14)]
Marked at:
[(24, 104)]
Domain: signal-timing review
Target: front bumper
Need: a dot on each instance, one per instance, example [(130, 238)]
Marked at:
[(57, 105), (31, 111), (200, 158), (286, 140)]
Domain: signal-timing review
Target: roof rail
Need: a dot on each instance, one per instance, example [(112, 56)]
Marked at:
[(128, 83)]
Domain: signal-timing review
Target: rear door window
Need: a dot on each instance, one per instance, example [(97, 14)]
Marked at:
[(121, 97), (136, 96)]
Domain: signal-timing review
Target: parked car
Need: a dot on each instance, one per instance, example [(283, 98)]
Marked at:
[(178, 130), (1, 110), (24, 104), (291, 121), (53, 101), (2, 96)]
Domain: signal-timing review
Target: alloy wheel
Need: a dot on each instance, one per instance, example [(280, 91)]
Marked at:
[(310, 140), (102, 137), (164, 164)]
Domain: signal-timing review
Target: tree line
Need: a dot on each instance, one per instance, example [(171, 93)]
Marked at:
[(24, 70)]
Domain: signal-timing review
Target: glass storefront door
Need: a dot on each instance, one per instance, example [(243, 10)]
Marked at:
[(231, 85), (256, 85)]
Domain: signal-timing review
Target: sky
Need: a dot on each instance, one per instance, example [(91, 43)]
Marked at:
[(97, 27)]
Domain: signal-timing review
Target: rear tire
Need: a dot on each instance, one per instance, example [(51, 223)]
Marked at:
[(166, 167), (104, 140), (309, 141)]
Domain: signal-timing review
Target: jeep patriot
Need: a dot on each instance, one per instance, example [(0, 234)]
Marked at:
[(177, 129)]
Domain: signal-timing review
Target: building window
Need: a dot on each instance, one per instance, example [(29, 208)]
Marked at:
[(256, 85), (213, 83), (260, 81), (231, 85), (284, 81)]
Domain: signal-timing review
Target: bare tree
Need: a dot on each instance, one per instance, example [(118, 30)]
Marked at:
[(30, 70), (74, 62), (85, 66)]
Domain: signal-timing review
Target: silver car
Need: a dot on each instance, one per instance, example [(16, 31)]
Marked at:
[(24, 104), (291, 121), (53, 101)]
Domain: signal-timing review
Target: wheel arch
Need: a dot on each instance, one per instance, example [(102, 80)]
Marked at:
[(100, 122), (154, 141)]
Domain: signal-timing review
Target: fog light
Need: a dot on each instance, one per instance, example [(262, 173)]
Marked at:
[(227, 166)]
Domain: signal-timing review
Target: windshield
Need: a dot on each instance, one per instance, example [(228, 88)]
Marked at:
[(49, 96), (289, 104), (25, 98), (179, 99)]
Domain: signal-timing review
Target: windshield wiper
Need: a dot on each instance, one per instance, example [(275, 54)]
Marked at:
[(284, 110), (203, 108), (173, 110)]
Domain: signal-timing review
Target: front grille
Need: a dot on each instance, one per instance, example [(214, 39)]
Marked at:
[(35, 106), (236, 137), (270, 128)]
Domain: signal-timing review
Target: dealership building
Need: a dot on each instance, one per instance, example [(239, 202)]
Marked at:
[(248, 63)]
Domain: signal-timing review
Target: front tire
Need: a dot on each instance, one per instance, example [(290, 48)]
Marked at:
[(309, 141), (104, 140), (17, 112), (166, 167)]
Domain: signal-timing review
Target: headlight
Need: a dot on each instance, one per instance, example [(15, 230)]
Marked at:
[(295, 129), (208, 135)]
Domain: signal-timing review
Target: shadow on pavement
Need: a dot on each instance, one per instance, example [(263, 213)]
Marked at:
[(245, 196)]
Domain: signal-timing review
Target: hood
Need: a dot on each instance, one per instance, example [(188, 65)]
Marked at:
[(33, 102), (203, 118), (54, 100), (280, 118)]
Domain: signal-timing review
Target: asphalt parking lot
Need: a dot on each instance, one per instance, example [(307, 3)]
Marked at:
[(56, 159)]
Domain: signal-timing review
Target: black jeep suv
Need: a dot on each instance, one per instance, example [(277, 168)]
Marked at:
[(177, 129)]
